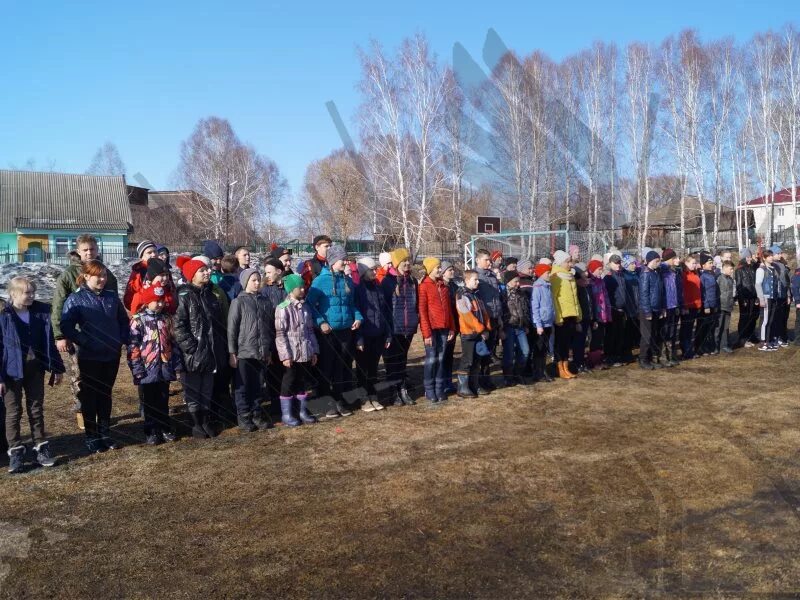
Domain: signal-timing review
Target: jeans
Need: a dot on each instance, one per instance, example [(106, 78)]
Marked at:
[(434, 381), (515, 349), (721, 334), (32, 386)]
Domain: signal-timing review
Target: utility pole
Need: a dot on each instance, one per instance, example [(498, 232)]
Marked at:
[(229, 185)]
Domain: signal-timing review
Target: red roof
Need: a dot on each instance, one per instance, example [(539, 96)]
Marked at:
[(782, 197)]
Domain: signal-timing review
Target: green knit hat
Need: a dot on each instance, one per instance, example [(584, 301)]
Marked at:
[(292, 282)]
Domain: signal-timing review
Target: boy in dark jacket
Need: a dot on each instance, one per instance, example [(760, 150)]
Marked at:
[(745, 278), (489, 292), (709, 292), (202, 343), (154, 360), (516, 325), (437, 326), (584, 288), (651, 312), (796, 296), (27, 350), (615, 331), (250, 340), (374, 335), (727, 295), (673, 302), (230, 280), (631, 275)]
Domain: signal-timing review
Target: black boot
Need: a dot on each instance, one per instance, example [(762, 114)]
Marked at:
[(397, 399), (197, 426), (464, 390), (405, 397), (508, 378), (260, 421), (486, 379), (245, 422), (207, 425), (475, 385), (104, 429)]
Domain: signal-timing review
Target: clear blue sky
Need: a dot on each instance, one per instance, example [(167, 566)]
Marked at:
[(140, 74)]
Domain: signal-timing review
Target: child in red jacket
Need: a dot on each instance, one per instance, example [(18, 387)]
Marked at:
[(438, 328)]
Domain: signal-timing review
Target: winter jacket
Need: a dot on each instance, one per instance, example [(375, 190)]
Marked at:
[(766, 284), (274, 293), (454, 286), (709, 290), (312, 268), (600, 300), (230, 285), (153, 355), (198, 330), (615, 287), (489, 292), (631, 294), (565, 294), (796, 286), (673, 287), (745, 278), (651, 292), (371, 304), (332, 300), (96, 322), (42, 342), (543, 313), (137, 283), (434, 307), (516, 309), (692, 296), (294, 331), (782, 280), (401, 295), (66, 284), (250, 327), (586, 303), (727, 292), (473, 317)]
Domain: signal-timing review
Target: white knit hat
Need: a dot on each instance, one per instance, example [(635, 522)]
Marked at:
[(545, 261), (365, 264), (560, 257), (384, 259), (203, 259)]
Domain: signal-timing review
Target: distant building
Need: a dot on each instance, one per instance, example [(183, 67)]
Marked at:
[(783, 219), (41, 214)]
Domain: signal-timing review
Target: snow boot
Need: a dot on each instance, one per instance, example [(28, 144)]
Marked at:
[(286, 412), (208, 427), (464, 390), (306, 417), (245, 422), (197, 426), (16, 459)]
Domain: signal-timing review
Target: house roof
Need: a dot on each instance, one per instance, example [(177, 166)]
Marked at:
[(669, 215), (782, 197), (31, 200)]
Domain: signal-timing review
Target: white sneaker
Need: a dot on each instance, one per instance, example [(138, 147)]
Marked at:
[(749, 344)]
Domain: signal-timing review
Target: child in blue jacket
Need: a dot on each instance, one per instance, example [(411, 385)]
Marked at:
[(709, 292), (543, 316), (27, 350), (331, 299)]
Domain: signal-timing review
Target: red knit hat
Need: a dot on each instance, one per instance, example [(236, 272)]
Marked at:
[(153, 293), (191, 267), (541, 269), (496, 254), (181, 260), (594, 265)]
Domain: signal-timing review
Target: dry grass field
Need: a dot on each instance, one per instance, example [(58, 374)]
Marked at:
[(624, 483)]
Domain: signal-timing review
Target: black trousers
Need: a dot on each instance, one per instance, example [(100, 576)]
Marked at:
[(155, 405), (247, 386), (687, 332), (97, 382), (470, 363), (297, 379), (222, 403), (748, 316), (449, 357), (632, 336), (721, 334), (598, 336), (579, 344), (367, 363), (669, 332), (396, 359), (564, 336), (650, 343), (198, 389), (706, 326), (336, 361), (781, 323), (615, 336), (539, 350)]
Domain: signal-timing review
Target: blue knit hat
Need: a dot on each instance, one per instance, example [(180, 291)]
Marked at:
[(212, 249)]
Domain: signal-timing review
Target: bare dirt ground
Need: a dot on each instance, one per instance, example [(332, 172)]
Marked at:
[(624, 483)]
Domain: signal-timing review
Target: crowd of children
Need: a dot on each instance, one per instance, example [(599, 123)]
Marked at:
[(238, 335)]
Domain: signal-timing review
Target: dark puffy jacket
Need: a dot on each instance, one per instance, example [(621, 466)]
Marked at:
[(709, 290), (231, 286), (727, 292), (745, 278), (197, 331), (615, 286), (631, 294), (371, 304), (489, 292), (651, 292), (153, 355), (516, 310), (251, 324), (586, 303), (402, 296), (97, 323), (796, 286), (274, 293), (784, 280), (673, 287), (66, 284), (42, 342)]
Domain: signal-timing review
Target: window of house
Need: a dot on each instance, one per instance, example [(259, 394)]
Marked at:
[(780, 227), (62, 246), (780, 212), (797, 209)]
